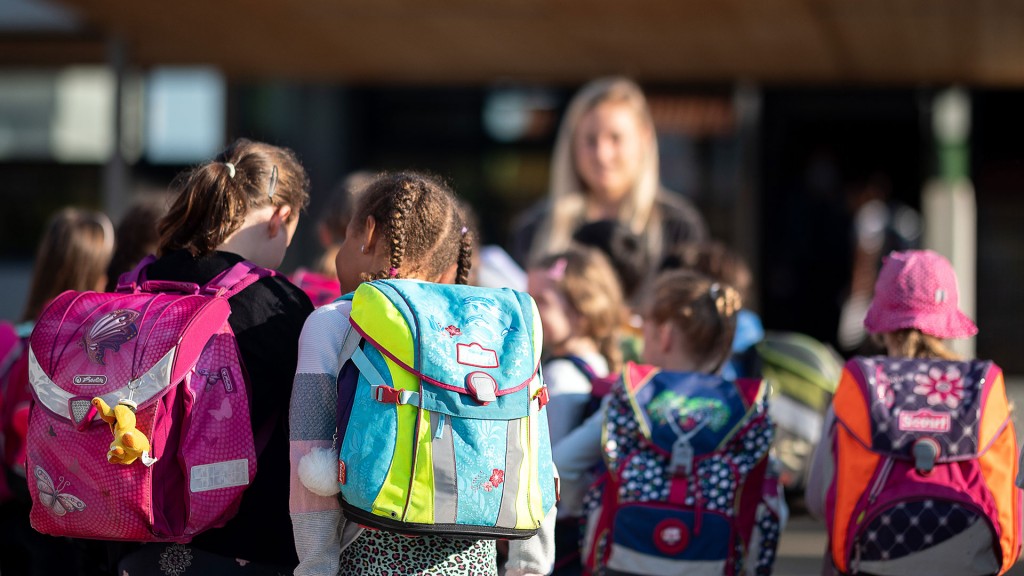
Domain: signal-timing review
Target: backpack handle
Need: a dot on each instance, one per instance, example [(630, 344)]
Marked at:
[(130, 281), (235, 279), (169, 286), (226, 284)]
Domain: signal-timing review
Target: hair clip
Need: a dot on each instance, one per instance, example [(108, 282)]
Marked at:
[(273, 182), (231, 169), (108, 232), (392, 272), (715, 290), (464, 230), (557, 270)]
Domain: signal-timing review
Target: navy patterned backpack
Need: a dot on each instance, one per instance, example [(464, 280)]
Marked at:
[(687, 460)]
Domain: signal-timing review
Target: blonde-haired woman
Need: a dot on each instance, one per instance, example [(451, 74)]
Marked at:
[(605, 167)]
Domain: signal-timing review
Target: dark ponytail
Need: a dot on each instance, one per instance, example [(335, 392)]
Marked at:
[(214, 198)]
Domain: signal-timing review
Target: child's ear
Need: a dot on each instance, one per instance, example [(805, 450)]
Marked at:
[(666, 335), (278, 219), (324, 235), (370, 234)]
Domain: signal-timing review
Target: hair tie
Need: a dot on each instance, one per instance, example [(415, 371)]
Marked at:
[(392, 272), (231, 169), (557, 270), (273, 182)]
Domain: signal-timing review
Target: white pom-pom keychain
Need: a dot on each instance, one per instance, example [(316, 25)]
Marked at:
[(318, 470)]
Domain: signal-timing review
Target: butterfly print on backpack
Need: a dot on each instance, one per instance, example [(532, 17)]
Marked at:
[(109, 333), (60, 503)]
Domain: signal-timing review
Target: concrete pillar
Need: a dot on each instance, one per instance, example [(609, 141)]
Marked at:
[(747, 216), (115, 172), (947, 201)]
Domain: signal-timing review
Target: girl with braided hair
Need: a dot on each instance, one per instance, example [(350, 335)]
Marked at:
[(405, 225)]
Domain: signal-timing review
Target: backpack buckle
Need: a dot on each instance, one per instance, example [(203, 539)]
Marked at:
[(389, 395), (926, 451), (482, 387), (542, 396), (682, 457)]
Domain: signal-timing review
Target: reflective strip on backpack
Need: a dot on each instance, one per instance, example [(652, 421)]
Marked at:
[(143, 389)]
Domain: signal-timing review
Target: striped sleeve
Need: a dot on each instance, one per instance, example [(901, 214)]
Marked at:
[(317, 521)]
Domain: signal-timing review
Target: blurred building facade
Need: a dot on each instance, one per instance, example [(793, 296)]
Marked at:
[(97, 105)]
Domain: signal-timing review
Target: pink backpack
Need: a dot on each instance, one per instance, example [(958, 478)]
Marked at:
[(167, 347), (14, 402), (320, 289)]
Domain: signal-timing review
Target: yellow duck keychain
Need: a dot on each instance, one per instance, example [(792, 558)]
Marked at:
[(129, 443)]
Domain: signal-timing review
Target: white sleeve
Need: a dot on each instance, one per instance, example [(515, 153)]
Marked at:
[(820, 474), (575, 456), (569, 393)]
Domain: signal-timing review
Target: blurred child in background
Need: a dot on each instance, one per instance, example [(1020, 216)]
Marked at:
[(73, 254), (137, 233), (321, 283), (581, 307)]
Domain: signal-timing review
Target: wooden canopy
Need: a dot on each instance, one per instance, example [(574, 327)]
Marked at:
[(979, 42)]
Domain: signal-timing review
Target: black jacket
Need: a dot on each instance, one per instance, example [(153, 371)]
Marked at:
[(266, 318)]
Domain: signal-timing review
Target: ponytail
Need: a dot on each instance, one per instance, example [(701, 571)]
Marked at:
[(704, 311), (214, 198), (612, 352)]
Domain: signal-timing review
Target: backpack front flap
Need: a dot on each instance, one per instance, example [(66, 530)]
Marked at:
[(460, 364), (88, 344), (703, 411), (903, 424)]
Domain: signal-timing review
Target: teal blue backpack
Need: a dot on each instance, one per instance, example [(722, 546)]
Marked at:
[(441, 421)]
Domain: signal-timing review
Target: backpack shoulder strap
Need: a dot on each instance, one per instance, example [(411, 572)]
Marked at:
[(600, 386), (349, 345), (635, 376), (580, 364), (10, 346), (235, 279)]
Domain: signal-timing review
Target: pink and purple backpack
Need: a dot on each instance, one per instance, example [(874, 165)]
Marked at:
[(167, 347), (926, 455)]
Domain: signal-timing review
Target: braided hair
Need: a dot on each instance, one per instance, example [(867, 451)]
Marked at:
[(421, 225)]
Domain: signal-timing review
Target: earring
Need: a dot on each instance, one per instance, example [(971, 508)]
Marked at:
[(362, 248)]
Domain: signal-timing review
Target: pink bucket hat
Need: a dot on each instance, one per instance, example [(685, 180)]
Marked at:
[(918, 289)]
